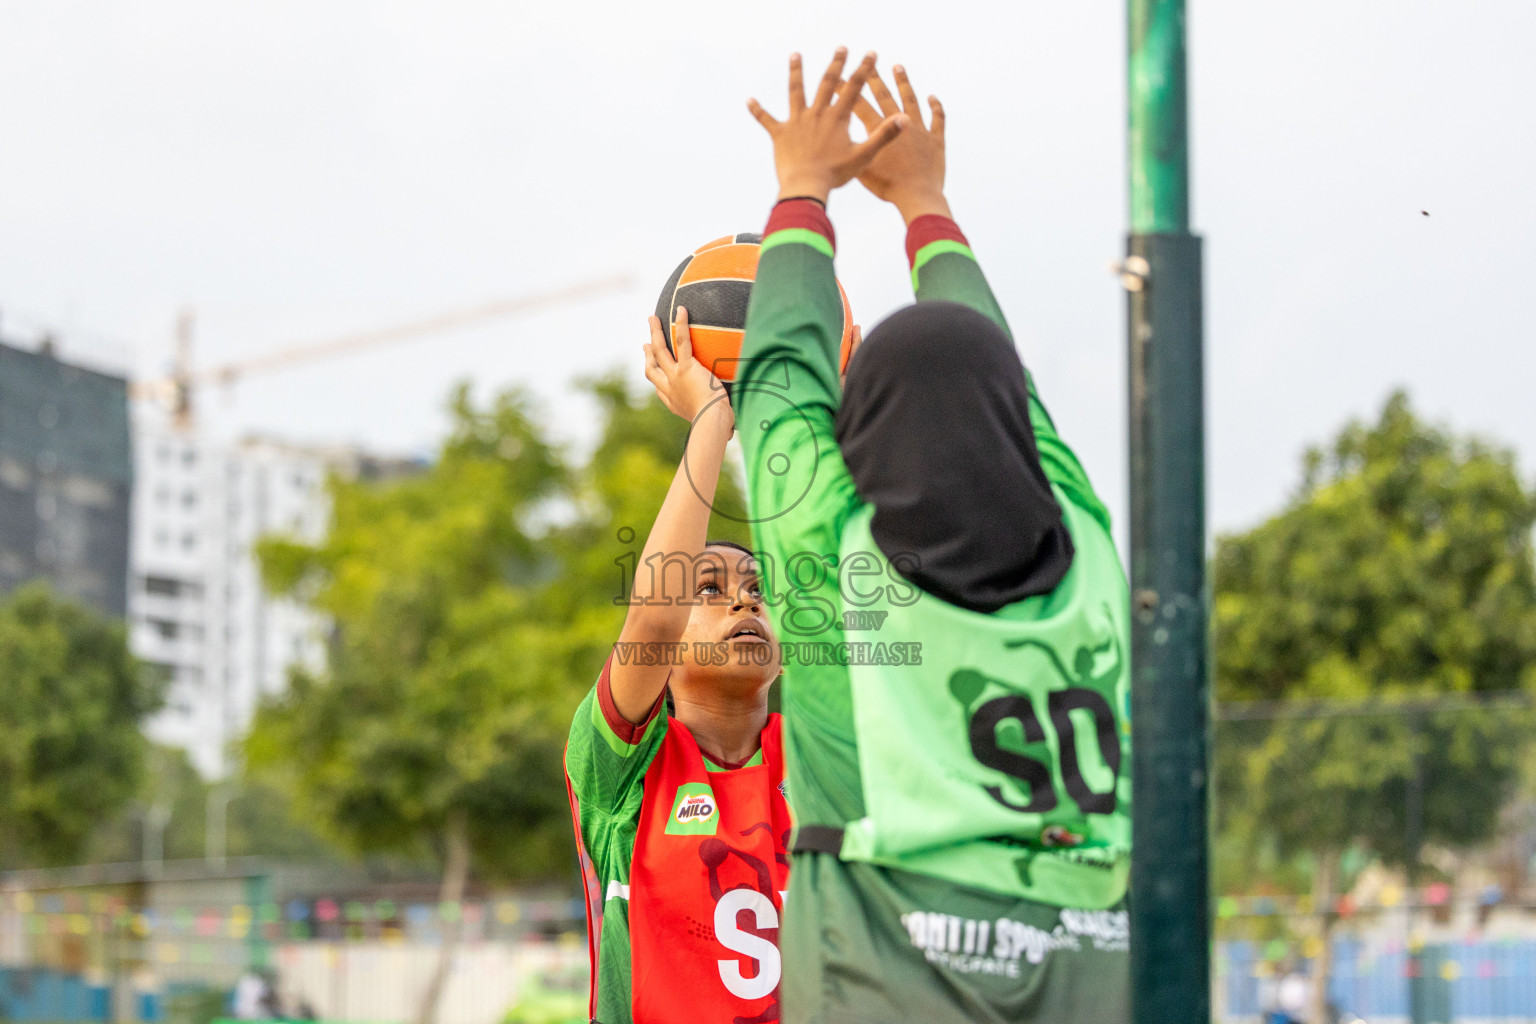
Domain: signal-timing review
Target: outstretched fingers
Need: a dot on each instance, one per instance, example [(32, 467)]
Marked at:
[(657, 353), (652, 370), (855, 84), (833, 76), (796, 84), (908, 94), (868, 116), (767, 120), (879, 137), (937, 127), (655, 350), (883, 95)]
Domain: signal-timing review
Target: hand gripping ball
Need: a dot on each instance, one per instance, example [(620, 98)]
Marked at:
[(714, 283)]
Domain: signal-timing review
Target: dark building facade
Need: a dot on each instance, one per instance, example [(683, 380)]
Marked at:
[(66, 476)]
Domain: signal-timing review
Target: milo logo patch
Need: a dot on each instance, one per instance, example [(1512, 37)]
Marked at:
[(694, 808), (694, 811)]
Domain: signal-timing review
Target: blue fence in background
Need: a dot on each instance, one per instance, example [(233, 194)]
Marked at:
[(1468, 980), (1457, 981), (42, 995)]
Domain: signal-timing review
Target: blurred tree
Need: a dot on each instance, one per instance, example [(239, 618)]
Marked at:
[(617, 494), (70, 748), (438, 723), (473, 606), (262, 823), (172, 800), (164, 816), (1401, 569)]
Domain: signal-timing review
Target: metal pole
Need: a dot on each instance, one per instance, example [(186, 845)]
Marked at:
[(1170, 899), (156, 818), (258, 896), (1413, 812), (215, 824)]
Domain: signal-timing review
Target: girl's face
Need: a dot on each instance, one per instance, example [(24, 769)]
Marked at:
[(730, 643)]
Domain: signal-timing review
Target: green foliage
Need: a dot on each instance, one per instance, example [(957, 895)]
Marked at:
[(620, 489), (438, 697), (70, 748), (550, 1000), (1402, 569), (195, 1004), (473, 606)]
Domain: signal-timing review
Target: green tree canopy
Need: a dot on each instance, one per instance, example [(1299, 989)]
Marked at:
[(437, 721), (618, 492), (1401, 569), (71, 752), (472, 607)]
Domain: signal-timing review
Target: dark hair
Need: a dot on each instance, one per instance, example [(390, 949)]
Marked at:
[(730, 544)]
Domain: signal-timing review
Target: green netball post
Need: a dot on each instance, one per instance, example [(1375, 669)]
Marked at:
[(1170, 930)]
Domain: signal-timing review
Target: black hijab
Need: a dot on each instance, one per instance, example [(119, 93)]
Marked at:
[(935, 429)]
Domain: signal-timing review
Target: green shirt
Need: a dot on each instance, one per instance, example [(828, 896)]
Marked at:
[(606, 759), (808, 516), (606, 762)]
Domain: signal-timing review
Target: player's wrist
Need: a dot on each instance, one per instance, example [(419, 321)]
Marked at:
[(715, 416), (804, 186), (912, 205)]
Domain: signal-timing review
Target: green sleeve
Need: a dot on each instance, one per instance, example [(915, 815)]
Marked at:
[(947, 271), (786, 396), (605, 761)]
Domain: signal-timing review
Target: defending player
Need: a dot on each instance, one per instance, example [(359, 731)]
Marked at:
[(963, 824), (680, 814)]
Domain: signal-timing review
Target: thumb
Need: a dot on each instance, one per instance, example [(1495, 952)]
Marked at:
[(882, 135), (868, 116)]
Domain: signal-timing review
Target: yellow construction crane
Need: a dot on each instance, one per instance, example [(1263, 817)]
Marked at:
[(177, 390)]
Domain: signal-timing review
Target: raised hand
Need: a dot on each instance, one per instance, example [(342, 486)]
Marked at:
[(909, 171), (684, 385), (812, 150)]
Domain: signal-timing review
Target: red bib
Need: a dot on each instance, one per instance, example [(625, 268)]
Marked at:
[(706, 887)]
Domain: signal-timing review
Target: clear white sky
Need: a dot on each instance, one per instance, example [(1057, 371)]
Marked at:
[(296, 170)]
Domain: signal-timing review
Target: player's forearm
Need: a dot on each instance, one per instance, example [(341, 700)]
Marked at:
[(944, 269), (681, 527), (789, 354), (787, 383), (787, 390), (659, 614)]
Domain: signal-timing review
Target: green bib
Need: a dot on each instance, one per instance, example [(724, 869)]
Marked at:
[(1002, 760)]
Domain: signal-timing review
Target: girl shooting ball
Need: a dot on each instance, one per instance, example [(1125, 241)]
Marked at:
[(681, 821)]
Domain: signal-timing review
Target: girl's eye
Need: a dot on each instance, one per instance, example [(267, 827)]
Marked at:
[(756, 592), (709, 588)]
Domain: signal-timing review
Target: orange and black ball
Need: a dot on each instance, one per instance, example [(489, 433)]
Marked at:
[(714, 283)]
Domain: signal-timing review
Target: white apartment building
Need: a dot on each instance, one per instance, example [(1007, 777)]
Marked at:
[(196, 605)]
